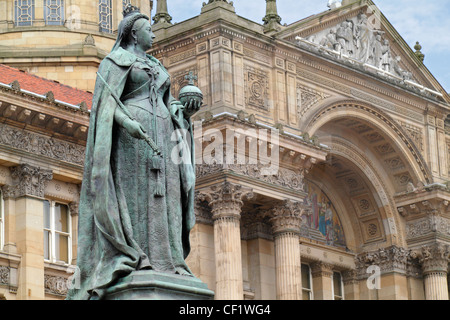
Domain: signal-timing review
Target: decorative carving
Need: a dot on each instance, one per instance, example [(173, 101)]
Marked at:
[(15, 85), (307, 97), (73, 208), (183, 56), (284, 177), (50, 97), (28, 180), (41, 145), (395, 163), (388, 259), (4, 275), (89, 40), (428, 225), (256, 88), (225, 199), (353, 41), (321, 269), (55, 285), (434, 257), (415, 133), (287, 217), (432, 207)]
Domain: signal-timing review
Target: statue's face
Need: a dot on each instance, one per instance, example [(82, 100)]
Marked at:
[(144, 34)]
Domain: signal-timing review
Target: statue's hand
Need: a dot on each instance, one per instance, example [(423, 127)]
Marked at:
[(191, 107), (134, 128)]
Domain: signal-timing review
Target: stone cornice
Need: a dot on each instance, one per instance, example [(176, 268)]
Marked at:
[(41, 145)]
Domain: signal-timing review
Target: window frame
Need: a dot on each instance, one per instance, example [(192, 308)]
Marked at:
[(17, 13), (48, 13), (341, 296), (309, 290), (52, 234), (109, 18)]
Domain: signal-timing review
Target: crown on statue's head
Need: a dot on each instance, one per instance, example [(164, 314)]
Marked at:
[(129, 9)]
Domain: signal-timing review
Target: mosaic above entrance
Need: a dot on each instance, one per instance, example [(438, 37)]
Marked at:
[(322, 223)]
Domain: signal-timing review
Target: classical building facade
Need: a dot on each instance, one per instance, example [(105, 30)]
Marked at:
[(322, 149)]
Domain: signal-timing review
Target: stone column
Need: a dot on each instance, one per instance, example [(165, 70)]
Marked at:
[(226, 203), (322, 274), (286, 220), (73, 209), (28, 192), (434, 259), (351, 284)]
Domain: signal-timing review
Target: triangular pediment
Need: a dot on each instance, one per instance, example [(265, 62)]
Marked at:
[(359, 36)]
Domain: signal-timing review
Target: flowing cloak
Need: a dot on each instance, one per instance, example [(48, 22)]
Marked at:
[(106, 248)]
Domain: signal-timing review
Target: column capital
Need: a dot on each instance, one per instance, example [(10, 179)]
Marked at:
[(321, 269), (28, 180), (350, 276), (389, 259), (287, 217), (225, 199), (434, 258), (73, 208)]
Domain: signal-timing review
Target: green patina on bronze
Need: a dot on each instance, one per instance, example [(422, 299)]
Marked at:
[(136, 206)]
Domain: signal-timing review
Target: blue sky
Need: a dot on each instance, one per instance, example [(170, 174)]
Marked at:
[(416, 20)]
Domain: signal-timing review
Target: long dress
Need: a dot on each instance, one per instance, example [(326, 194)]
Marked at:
[(123, 225), (155, 220)]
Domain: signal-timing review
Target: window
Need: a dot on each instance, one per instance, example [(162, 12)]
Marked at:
[(125, 3), (338, 288), (54, 12), (57, 235), (105, 16), (2, 222), (307, 292), (23, 12)]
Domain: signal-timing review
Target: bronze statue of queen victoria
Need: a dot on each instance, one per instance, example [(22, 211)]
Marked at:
[(136, 204)]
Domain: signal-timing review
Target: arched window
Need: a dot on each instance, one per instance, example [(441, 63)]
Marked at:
[(54, 12), (23, 12), (105, 15)]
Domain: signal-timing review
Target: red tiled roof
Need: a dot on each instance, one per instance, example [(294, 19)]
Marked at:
[(41, 86)]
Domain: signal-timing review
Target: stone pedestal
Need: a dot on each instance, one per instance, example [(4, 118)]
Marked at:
[(151, 285)]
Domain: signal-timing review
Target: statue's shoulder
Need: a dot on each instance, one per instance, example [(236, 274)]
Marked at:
[(121, 57), (155, 61)]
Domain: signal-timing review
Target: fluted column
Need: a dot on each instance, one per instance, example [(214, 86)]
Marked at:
[(27, 192), (434, 259), (226, 203), (286, 220)]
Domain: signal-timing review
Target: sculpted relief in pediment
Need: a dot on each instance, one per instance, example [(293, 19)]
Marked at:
[(355, 40)]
